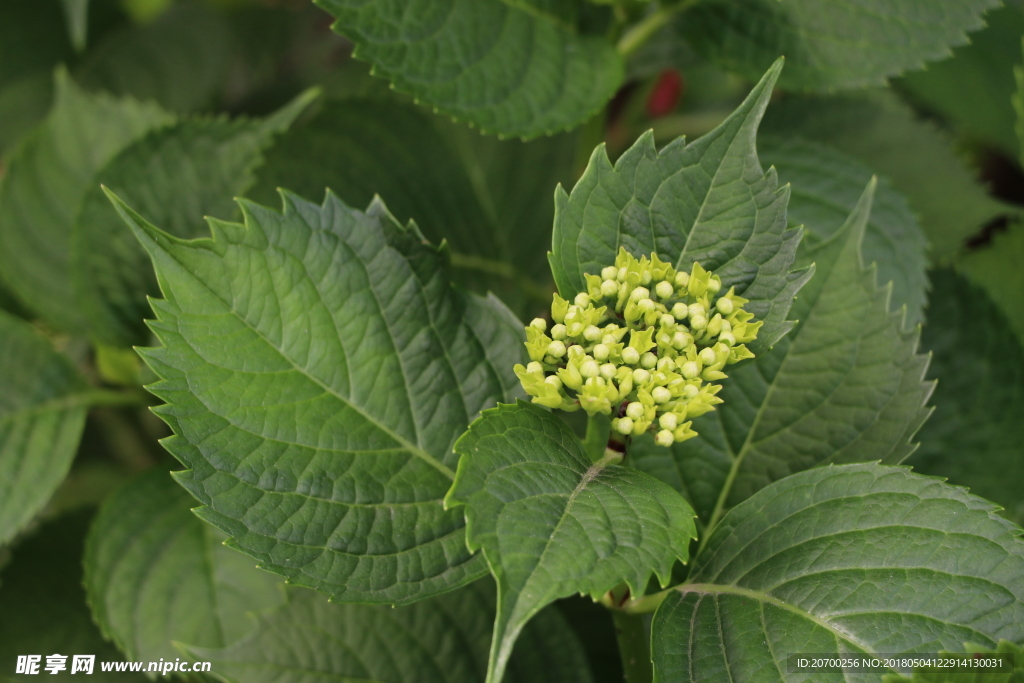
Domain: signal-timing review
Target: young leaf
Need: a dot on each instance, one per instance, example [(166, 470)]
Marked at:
[(826, 185), (708, 201), (846, 386), (996, 267), (155, 574), (43, 604), (318, 368), (443, 639), (192, 170), (979, 398), (830, 44), (850, 559), (551, 522), (485, 62), (42, 412), (882, 132), (44, 183)]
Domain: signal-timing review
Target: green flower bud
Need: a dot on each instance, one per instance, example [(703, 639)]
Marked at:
[(609, 288), (641, 376), (601, 352), (680, 340), (639, 293), (664, 438), (680, 310), (539, 324), (556, 349), (589, 368), (648, 360), (698, 322), (553, 381), (707, 356), (623, 425), (727, 338), (724, 305), (667, 320), (582, 299), (591, 333), (682, 279), (714, 325), (690, 369), (575, 329), (666, 364), (645, 305), (630, 355), (661, 395), (608, 371), (664, 289), (690, 391), (668, 421), (635, 410), (559, 331), (559, 307), (609, 272), (684, 432)]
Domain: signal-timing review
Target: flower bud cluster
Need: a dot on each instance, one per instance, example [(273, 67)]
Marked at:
[(645, 344)]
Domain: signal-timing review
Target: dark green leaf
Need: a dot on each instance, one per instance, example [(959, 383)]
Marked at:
[(845, 559), (156, 574), (708, 201), (826, 185), (176, 176), (503, 69), (43, 605), (440, 640), (883, 133), (551, 522), (846, 386), (830, 43), (42, 411), (44, 183), (996, 267), (975, 437), (318, 368)]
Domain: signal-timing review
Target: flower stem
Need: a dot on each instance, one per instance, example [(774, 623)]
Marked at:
[(634, 646)]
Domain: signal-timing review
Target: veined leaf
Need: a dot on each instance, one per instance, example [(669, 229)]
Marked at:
[(850, 559), (155, 574), (488, 63), (885, 134), (42, 411), (996, 267), (442, 639), (830, 44), (318, 368), (846, 386), (708, 201), (193, 169), (975, 436), (551, 522), (826, 185), (44, 608), (44, 183)]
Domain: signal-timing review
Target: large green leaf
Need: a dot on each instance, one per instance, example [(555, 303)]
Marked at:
[(191, 170), (318, 368), (846, 386), (845, 559), (708, 201), (826, 185), (44, 183), (552, 523), (499, 67), (880, 131), (43, 606), (156, 574), (971, 89), (976, 437), (43, 401), (996, 267), (440, 640), (830, 43)]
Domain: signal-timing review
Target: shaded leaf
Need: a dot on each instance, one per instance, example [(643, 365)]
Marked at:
[(318, 368), (845, 386), (44, 183), (551, 522), (996, 267), (826, 185), (830, 43), (846, 559), (501, 68), (975, 437), (156, 574), (708, 201)]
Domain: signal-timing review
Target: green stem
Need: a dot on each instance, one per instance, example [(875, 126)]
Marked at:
[(598, 428), (634, 647), (642, 31)]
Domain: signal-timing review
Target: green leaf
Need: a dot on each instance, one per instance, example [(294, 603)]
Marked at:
[(442, 639), (498, 67), (916, 157), (970, 90), (44, 608), (44, 183), (156, 574), (975, 436), (181, 60), (961, 676), (563, 11), (826, 185), (552, 523), (846, 386), (176, 176), (42, 413), (318, 368), (996, 267), (708, 201), (844, 559), (830, 43)]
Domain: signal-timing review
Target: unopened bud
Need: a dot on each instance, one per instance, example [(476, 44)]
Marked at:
[(556, 349), (714, 284), (664, 438), (690, 369), (630, 355), (667, 320), (690, 391), (724, 306), (698, 322), (648, 360), (591, 333), (582, 299), (539, 324), (624, 425), (609, 288), (589, 369), (682, 279), (609, 272), (553, 381), (664, 289), (668, 421), (559, 331), (639, 293), (608, 371), (601, 352), (635, 410), (661, 395), (707, 356), (640, 376), (666, 364), (680, 311)]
